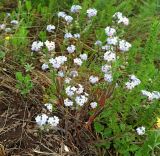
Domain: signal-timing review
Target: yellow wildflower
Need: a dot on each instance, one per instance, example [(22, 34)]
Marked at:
[(158, 122), (7, 38)]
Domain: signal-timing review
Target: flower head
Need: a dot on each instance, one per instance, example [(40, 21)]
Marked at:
[(53, 121), (93, 104), (91, 12), (50, 45), (75, 8), (50, 28), (140, 130), (36, 46), (93, 79)]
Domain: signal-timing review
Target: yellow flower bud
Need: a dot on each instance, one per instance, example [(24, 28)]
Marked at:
[(7, 38)]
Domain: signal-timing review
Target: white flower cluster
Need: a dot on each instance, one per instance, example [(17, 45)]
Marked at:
[(70, 91), (83, 57), (36, 46), (49, 106), (67, 80), (93, 104), (77, 94), (118, 16), (151, 95), (71, 49), (112, 40), (106, 69), (68, 102), (58, 61), (14, 22), (140, 130), (110, 31), (109, 56), (50, 45), (81, 100), (50, 28), (98, 43), (91, 12), (78, 61), (43, 119), (61, 73), (66, 17), (134, 81), (44, 66), (75, 8), (69, 36), (124, 45), (2, 26), (93, 79)]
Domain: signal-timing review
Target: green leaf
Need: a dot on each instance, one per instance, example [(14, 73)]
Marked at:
[(28, 5), (98, 127), (2, 55)]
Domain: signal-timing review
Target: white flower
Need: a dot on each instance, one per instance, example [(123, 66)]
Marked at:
[(73, 73), (75, 8), (108, 77), (91, 12), (58, 61), (80, 89), (68, 19), (98, 43), (124, 45), (61, 73), (156, 94), (93, 79), (118, 15), (71, 49), (134, 81), (49, 106), (129, 85), (151, 95), (53, 121), (77, 35), (148, 94), (78, 61), (109, 56), (8, 30), (14, 22), (8, 14), (2, 26), (68, 102), (112, 40), (36, 46), (81, 100), (125, 21), (67, 80), (93, 104), (50, 45), (70, 91), (45, 66), (61, 14), (110, 31), (140, 130), (83, 56), (106, 68), (120, 18), (41, 119), (68, 35), (50, 28)]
